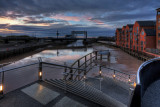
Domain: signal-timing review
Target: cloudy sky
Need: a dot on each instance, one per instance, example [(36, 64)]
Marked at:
[(98, 17)]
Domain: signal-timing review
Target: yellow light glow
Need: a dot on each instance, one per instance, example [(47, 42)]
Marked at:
[(114, 76), (100, 72), (84, 77), (129, 80), (40, 73), (1, 88), (134, 84)]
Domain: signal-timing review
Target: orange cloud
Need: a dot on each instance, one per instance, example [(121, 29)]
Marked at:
[(6, 30), (67, 18)]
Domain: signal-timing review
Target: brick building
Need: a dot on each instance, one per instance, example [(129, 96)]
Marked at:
[(118, 36), (129, 37), (147, 39), (158, 29), (137, 29), (141, 35), (123, 36)]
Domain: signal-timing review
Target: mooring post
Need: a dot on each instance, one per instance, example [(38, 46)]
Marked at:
[(85, 62), (40, 69)]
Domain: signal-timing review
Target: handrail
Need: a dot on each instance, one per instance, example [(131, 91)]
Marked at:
[(18, 67), (81, 58), (141, 67), (117, 70), (62, 66)]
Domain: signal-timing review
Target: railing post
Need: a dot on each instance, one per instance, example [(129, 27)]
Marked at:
[(91, 58), (109, 56), (78, 69), (100, 71), (101, 57), (65, 70), (129, 80), (71, 75), (40, 69), (114, 75), (96, 54), (2, 85), (85, 62)]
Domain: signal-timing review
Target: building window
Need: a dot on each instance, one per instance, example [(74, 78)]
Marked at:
[(141, 43), (158, 34), (137, 29), (158, 41), (142, 33), (158, 27), (141, 48), (159, 19)]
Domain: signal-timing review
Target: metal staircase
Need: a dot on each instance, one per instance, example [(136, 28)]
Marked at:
[(86, 91)]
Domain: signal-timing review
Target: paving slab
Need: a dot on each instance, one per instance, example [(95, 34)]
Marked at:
[(67, 102), (40, 93)]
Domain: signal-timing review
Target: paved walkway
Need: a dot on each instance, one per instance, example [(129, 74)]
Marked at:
[(41, 94)]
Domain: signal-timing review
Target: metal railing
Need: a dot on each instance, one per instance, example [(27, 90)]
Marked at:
[(16, 77)]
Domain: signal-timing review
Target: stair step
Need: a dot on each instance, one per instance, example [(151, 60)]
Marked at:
[(87, 92)]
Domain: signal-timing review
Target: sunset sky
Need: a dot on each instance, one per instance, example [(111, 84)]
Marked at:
[(98, 17)]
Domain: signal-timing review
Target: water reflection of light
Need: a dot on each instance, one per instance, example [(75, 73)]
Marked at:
[(65, 55)]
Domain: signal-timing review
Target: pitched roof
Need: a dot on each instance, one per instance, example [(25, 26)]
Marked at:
[(158, 9), (119, 29), (147, 23), (150, 32), (130, 25)]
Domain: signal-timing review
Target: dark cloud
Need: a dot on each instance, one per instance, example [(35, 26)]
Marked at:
[(112, 12)]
